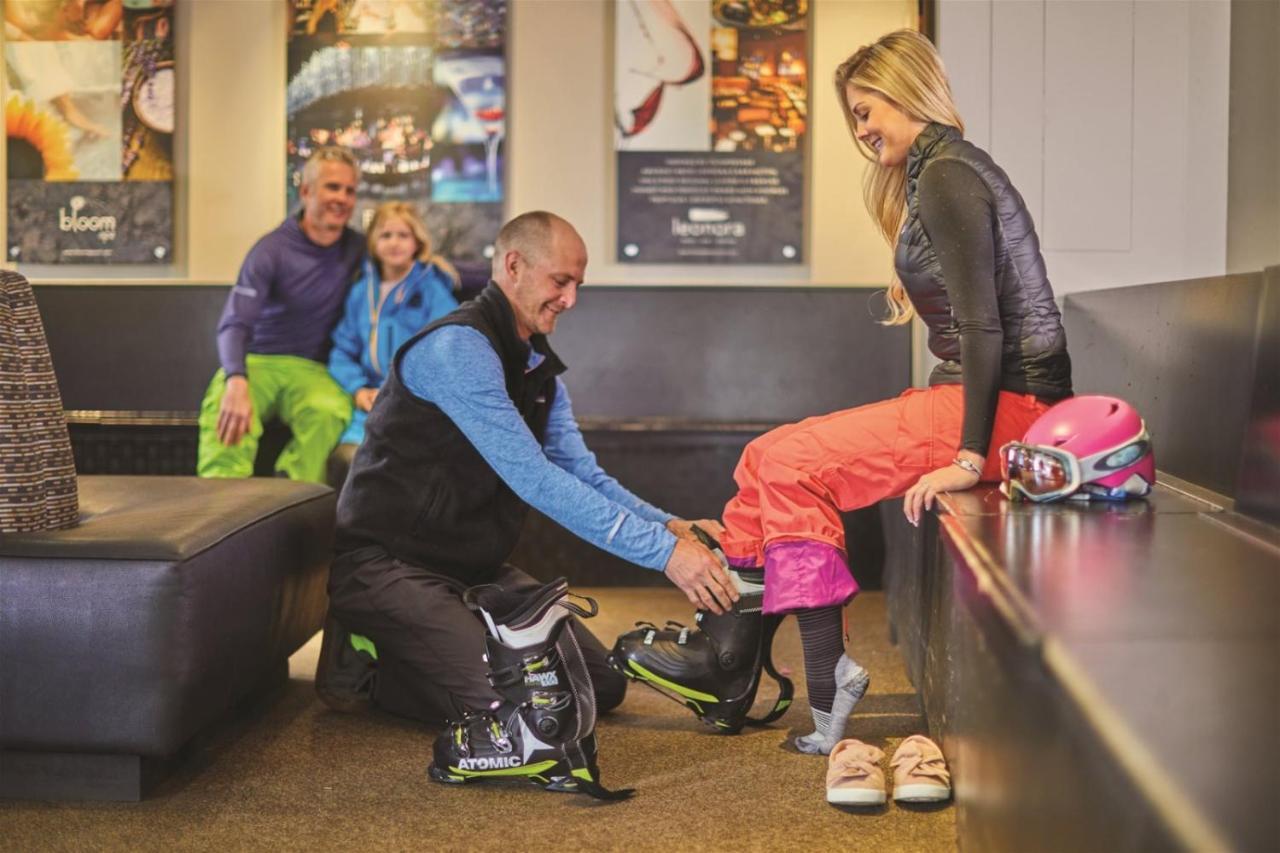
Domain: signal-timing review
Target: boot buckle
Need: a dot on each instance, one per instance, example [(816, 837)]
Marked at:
[(499, 737)]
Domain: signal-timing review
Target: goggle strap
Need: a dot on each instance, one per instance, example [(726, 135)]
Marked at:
[(1088, 465)]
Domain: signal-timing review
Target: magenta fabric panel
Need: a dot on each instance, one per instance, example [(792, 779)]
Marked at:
[(800, 574), (741, 562)]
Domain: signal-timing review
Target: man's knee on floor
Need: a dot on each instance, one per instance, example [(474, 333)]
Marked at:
[(610, 689)]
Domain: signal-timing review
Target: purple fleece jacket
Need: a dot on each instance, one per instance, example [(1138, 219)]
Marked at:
[(288, 296)]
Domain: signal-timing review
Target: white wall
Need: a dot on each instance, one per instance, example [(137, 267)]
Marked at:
[(235, 130), (1111, 118), (232, 126)]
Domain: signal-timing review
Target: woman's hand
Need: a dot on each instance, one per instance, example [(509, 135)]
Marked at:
[(951, 478)]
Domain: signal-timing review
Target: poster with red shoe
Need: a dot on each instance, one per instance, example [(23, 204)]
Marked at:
[(710, 116)]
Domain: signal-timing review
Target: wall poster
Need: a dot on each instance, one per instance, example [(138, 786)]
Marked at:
[(417, 90), (711, 114), (89, 120)]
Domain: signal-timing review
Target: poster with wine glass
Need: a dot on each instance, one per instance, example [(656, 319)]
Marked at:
[(710, 121), (416, 89), (89, 121)]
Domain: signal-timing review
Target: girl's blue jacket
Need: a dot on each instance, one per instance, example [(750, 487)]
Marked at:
[(369, 333)]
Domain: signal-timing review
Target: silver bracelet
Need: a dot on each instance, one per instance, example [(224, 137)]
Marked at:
[(967, 465)]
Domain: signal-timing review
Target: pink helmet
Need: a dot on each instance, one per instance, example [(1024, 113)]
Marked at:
[(1084, 447)]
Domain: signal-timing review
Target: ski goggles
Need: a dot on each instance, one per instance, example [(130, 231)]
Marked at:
[(1036, 472)]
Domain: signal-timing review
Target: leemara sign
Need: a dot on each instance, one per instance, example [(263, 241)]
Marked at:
[(711, 117)]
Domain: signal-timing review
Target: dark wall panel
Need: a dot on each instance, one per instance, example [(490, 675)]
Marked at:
[(132, 347), (729, 354), (1183, 353), (713, 354)]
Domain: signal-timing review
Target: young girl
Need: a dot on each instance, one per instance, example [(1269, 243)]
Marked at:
[(968, 262), (404, 287)]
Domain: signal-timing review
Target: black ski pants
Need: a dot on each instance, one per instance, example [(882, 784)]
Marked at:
[(430, 646)]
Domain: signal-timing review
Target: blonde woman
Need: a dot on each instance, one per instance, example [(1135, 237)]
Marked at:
[(968, 264), (404, 287)]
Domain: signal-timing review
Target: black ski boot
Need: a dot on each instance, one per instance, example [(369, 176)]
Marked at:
[(543, 729), (347, 668), (713, 670)]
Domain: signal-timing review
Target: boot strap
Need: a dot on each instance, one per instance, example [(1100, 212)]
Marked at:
[(600, 792), (786, 690), (514, 674), (590, 610), (586, 776)]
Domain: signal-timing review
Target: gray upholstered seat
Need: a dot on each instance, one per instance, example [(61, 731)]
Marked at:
[(124, 637)]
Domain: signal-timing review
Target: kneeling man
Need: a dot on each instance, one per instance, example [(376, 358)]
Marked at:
[(472, 428)]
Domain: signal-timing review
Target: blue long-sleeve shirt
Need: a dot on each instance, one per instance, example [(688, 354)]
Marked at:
[(457, 369), (287, 296)]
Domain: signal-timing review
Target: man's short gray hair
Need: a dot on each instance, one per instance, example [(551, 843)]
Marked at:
[(328, 154)]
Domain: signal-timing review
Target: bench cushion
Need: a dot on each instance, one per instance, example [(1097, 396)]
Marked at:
[(169, 603), (160, 518)]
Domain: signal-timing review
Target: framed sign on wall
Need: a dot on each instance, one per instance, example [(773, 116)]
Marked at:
[(416, 89), (89, 121), (711, 110)]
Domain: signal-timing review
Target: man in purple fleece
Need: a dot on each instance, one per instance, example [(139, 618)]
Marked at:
[(273, 338)]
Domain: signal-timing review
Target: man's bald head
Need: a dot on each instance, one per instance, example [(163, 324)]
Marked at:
[(531, 234), (539, 262)]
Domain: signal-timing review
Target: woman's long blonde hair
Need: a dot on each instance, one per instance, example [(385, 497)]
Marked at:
[(408, 214), (904, 67)]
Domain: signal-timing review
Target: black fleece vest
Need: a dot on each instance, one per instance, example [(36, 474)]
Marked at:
[(418, 487), (1034, 358)]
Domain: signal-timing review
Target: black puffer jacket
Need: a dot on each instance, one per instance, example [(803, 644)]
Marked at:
[(1034, 356)]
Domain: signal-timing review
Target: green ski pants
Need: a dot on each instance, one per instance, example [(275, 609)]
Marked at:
[(296, 390)]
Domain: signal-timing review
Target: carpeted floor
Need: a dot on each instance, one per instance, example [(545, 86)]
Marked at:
[(292, 775)]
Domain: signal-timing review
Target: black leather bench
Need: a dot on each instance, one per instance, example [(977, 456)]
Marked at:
[(1101, 675), (174, 601), (1106, 676)]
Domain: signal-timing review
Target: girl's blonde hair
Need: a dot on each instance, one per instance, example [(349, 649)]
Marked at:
[(905, 68), (408, 214)]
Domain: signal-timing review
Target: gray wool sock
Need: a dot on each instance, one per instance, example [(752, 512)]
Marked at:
[(851, 685)]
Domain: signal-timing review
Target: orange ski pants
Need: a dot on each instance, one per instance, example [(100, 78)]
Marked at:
[(794, 482)]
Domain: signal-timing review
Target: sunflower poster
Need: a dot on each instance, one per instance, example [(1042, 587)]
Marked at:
[(416, 89), (711, 118), (89, 119)]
